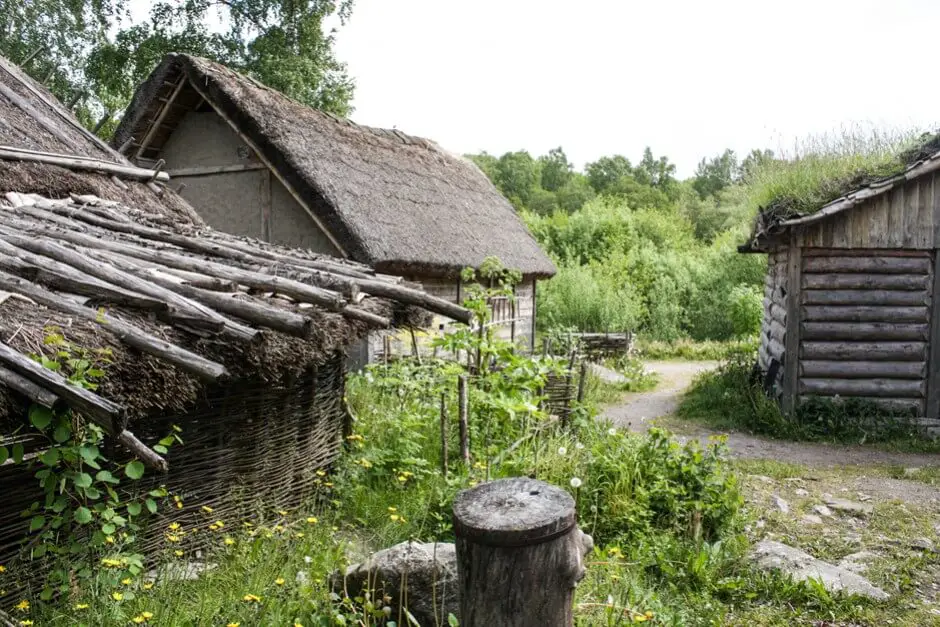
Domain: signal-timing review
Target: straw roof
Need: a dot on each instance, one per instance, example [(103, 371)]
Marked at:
[(179, 306), (396, 202)]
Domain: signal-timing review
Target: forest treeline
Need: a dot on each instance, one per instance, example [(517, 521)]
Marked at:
[(636, 247)]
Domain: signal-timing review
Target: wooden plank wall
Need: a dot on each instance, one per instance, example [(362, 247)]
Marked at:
[(774, 325), (865, 325), (903, 218)]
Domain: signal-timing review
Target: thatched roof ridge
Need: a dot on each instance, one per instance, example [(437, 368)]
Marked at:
[(774, 221), (396, 202)]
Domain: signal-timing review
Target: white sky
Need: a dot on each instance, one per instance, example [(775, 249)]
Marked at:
[(598, 77)]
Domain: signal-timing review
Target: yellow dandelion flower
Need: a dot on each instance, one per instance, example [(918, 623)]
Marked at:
[(402, 478), (298, 625), (206, 509), (219, 524), (110, 563), (328, 484), (392, 509), (278, 528), (117, 596), (3, 568), (178, 553), (395, 517), (321, 473), (173, 526), (335, 528), (126, 582), (648, 614), (109, 539), (280, 581), (26, 623), (251, 598), (139, 620), (312, 520), (229, 542), (299, 534), (247, 524), (234, 625), (22, 605), (147, 615), (173, 538), (148, 585), (640, 618), (282, 513), (81, 606)]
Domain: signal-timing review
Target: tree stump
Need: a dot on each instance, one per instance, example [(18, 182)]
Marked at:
[(519, 554)]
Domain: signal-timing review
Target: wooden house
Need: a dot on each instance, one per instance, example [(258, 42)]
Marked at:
[(851, 295), (238, 342), (255, 163)]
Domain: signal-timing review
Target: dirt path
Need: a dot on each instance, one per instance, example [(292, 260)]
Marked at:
[(639, 411)]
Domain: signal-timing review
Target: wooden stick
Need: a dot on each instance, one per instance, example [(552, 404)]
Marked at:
[(147, 455), (582, 379), (444, 460), (99, 410), (104, 120), (80, 163), (183, 359), (463, 405), (35, 393), (32, 55)]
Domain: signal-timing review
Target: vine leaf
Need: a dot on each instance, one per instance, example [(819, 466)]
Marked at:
[(134, 470), (4, 454), (83, 515), (40, 417)]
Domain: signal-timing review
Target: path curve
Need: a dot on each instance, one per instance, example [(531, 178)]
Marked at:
[(638, 411)]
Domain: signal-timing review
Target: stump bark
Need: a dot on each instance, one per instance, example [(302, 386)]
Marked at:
[(519, 554)]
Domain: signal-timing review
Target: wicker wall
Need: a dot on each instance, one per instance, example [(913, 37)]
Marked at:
[(774, 325), (249, 450)]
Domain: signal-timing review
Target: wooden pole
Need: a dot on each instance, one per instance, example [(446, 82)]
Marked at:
[(565, 415), (463, 404), (100, 124), (582, 380), (81, 163), (444, 459), (520, 554)]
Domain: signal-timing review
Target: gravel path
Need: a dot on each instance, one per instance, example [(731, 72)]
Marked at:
[(637, 412)]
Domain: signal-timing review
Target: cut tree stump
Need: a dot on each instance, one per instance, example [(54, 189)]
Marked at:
[(519, 554)]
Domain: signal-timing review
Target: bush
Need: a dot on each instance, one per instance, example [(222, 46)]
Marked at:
[(746, 310), (585, 298)]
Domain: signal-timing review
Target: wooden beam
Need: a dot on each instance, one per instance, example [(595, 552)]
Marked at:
[(290, 188), (159, 119), (209, 170), (791, 356), (10, 153)]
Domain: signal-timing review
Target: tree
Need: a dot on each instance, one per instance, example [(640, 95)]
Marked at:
[(517, 174), (716, 174), (556, 170), (657, 173), (575, 194), (755, 160), (487, 163), (603, 173)]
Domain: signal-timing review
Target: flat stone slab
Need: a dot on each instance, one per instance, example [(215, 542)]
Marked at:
[(850, 507), (858, 562), (771, 555)]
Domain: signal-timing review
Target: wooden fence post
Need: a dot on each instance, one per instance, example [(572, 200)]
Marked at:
[(582, 380), (444, 434), (463, 408), (519, 554)]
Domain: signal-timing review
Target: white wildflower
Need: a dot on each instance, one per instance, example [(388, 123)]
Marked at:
[(579, 446), (611, 431), (562, 450), (575, 483)]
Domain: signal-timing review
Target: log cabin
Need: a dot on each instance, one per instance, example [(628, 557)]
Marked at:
[(238, 342), (256, 163), (850, 296)]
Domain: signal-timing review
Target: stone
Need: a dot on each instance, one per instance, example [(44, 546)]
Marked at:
[(801, 492), (180, 571), (782, 505), (822, 510), (923, 544), (811, 519), (761, 478), (416, 571), (858, 562), (771, 555), (911, 472), (850, 507)]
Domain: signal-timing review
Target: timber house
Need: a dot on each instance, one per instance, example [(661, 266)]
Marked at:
[(256, 163), (850, 306), (238, 342)]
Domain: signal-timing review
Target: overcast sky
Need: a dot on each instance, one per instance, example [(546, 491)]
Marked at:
[(686, 77)]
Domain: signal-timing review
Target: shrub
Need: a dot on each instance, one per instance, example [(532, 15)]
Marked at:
[(746, 310)]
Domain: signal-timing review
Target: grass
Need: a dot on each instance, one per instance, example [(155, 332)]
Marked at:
[(689, 350)]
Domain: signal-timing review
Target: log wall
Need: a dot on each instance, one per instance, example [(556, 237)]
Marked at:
[(864, 325), (773, 328)]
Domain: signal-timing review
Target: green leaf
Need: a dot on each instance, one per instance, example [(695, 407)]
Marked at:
[(61, 502), (92, 493), (134, 509), (89, 453), (134, 470), (4, 454), (151, 506), (159, 448), (18, 453), (82, 480), (62, 434), (168, 441), (452, 621), (37, 523), (46, 594), (41, 417), (83, 515), (50, 457), (108, 529), (106, 477)]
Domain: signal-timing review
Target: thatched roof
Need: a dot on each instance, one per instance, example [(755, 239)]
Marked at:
[(178, 305), (396, 202), (773, 221)]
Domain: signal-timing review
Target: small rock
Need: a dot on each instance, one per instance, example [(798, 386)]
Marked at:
[(864, 498), (850, 507), (858, 562), (812, 519), (180, 571), (782, 505), (770, 555), (923, 544), (759, 524), (911, 472), (822, 510), (801, 492), (761, 478)]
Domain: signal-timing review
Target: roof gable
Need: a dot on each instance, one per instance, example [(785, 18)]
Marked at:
[(397, 202)]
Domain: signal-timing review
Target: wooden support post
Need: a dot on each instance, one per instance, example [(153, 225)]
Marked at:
[(444, 459), (582, 380), (32, 55), (546, 346), (463, 404), (933, 364), (791, 356), (566, 413), (104, 120), (127, 144), (520, 554)]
